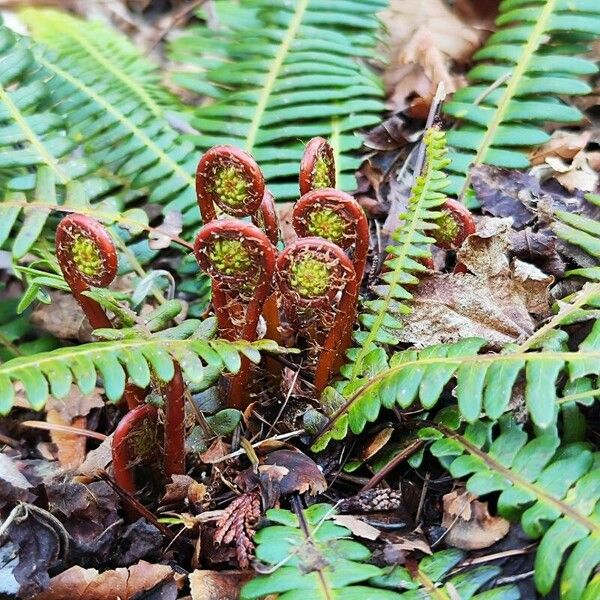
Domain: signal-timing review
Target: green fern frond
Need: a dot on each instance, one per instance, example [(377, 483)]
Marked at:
[(553, 490), (32, 134), (284, 72), (531, 57), (124, 139), (99, 52), (581, 231), (484, 382), (381, 318), (17, 334), (122, 358), (22, 234), (317, 559)]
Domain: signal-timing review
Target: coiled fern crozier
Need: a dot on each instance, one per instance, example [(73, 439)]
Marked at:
[(280, 73), (523, 69)]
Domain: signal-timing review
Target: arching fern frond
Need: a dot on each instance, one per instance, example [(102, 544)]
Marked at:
[(553, 490), (381, 318), (531, 57), (581, 231), (484, 382), (99, 52), (312, 557), (143, 151), (115, 361), (32, 134), (22, 233), (281, 73)]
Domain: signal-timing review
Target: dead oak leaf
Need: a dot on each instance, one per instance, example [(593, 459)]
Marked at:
[(78, 583), (425, 39), (450, 307), (469, 524)]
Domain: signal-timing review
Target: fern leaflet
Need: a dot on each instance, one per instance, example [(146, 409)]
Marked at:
[(553, 490), (531, 57)]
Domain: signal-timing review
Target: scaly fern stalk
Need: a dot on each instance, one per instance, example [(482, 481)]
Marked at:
[(553, 490), (284, 72), (309, 556), (531, 55), (380, 318), (102, 53), (127, 355)]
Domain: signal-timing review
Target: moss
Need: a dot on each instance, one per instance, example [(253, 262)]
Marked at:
[(309, 277), (230, 257), (231, 186), (326, 223), (86, 256), (449, 228), (321, 173)]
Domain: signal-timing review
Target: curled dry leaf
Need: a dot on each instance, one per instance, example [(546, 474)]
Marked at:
[(426, 38), (469, 524), (78, 583), (14, 486), (281, 473)]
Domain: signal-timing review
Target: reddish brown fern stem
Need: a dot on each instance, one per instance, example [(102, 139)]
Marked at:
[(338, 218), (240, 260), (88, 258), (313, 276), (174, 437), (134, 442), (317, 169)]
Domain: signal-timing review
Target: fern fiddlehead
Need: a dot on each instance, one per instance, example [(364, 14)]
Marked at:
[(240, 260)]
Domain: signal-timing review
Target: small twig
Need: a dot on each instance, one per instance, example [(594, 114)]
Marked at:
[(422, 499), (287, 397), (133, 503), (406, 453), (179, 16), (283, 436), (64, 429)]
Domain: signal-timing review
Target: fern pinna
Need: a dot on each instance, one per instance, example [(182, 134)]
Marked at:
[(309, 556), (381, 317), (521, 70), (553, 489), (281, 72), (127, 354)]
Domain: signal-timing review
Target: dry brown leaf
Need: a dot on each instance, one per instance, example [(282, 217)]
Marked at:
[(183, 487), (358, 527), (492, 301), (70, 447), (562, 144), (63, 318), (469, 523), (578, 175), (78, 583), (218, 585), (425, 39)]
